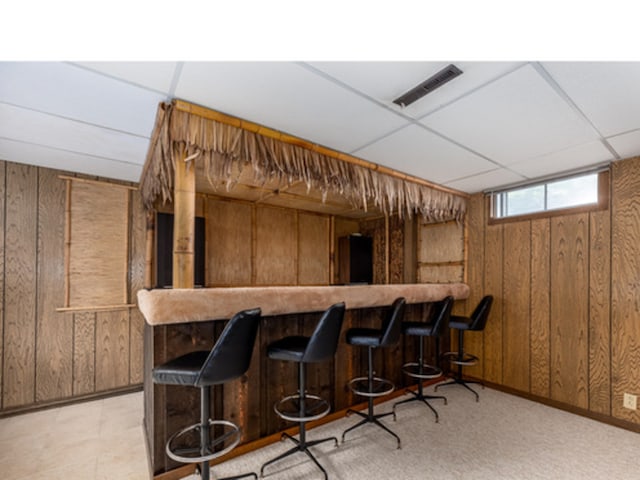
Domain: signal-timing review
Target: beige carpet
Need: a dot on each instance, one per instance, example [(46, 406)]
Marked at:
[(500, 437)]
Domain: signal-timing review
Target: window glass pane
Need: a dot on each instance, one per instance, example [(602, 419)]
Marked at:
[(525, 200), (573, 191)]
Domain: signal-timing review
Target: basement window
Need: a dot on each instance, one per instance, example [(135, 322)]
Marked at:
[(558, 196)]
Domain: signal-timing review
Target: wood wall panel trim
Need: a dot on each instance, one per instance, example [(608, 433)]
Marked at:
[(570, 309), (625, 286), (516, 305), (540, 291), (112, 349), (276, 247), (2, 270), (54, 336), (314, 249), (599, 312), (493, 284), (84, 352), (20, 285)]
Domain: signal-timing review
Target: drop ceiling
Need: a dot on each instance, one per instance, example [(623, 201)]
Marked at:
[(497, 124)]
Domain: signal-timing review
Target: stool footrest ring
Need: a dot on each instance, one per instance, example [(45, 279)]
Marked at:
[(228, 440), (315, 407), (466, 359), (428, 371), (378, 388)]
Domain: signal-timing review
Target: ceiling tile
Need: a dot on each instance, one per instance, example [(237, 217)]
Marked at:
[(386, 81), (418, 152), (574, 158), (608, 93), (486, 180), (289, 98), (29, 126), (627, 145), (72, 92), (154, 75), (63, 160), (515, 118)]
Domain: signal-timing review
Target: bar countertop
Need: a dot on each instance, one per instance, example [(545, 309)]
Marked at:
[(169, 306)]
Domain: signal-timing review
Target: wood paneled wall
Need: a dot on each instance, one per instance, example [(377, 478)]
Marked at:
[(46, 355), (565, 325)]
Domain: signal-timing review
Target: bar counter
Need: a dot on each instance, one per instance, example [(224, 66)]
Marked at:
[(184, 320)]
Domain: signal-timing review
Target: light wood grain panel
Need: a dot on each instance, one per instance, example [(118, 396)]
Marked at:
[(625, 286), (342, 227), (137, 245), (493, 281), (540, 289), (441, 242), (570, 309), (20, 285), (516, 298), (98, 256), (54, 349), (313, 249), (2, 204), (440, 273), (84, 352), (228, 237), (112, 349), (599, 316), (275, 246), (475, 266), (136, 344)]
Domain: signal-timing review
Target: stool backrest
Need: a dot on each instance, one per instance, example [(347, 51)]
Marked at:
[(231, 355), (324, 340), (392, 325), (440, 314), (480, 315)]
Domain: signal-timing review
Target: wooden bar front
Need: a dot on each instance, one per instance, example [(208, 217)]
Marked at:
[(248, 401)]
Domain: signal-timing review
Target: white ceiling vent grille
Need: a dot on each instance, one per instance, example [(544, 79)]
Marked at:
[(429, 85)]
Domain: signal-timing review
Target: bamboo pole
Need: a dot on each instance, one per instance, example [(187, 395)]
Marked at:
[(184, 196), (283, 137), (148, 254)]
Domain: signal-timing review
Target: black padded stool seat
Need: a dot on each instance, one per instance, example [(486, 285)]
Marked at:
[(476, 322), (438, 318), (372, 386), (303, 407), (228, 359)]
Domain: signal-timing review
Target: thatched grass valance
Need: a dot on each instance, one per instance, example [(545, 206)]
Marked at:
[(226, 149)]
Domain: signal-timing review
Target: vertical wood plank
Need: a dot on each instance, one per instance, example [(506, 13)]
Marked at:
[(625, 286), (275, 246), (313, 249), (137, 254), (570, 309), (396, 249), (20, 285), (493, 281), (84, 352), (184, 202), (599, 318), (228, 237), (2, 254), (475, 270), (516, 293), (112, 349), (540, 288), (54, 347)]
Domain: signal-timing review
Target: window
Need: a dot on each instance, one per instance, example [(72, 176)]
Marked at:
[(586, 191)]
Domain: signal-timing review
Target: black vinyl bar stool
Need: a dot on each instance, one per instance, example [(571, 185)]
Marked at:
[(476, 322), (228, 360), (303, 407), (372, 386), (438, 318)]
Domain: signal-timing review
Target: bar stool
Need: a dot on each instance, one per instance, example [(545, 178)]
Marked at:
[(303, 407), (440, 313), (476, 322), (372, 386), (228, 359)]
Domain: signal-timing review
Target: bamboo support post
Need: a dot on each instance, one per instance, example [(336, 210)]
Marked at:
[(184, 223), (149, 256)]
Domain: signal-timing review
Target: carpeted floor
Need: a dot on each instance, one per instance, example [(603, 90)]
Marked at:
[(500, 437)]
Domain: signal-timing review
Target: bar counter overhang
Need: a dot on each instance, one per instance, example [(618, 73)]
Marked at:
[(183, 320)]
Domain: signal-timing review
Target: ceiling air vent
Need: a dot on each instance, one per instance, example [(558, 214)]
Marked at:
[(429, 85)]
